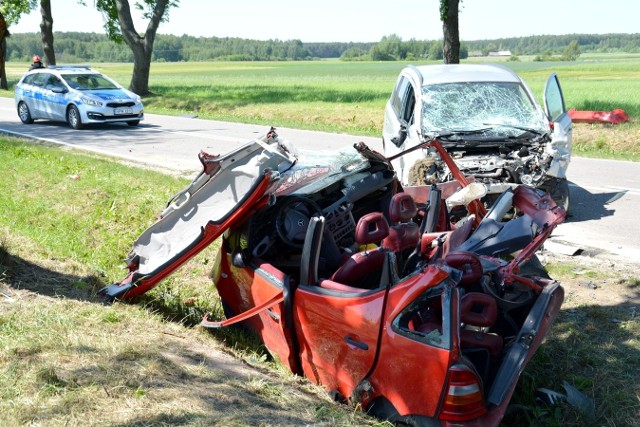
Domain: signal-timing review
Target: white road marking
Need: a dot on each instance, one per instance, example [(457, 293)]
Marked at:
[(607, 188), (108, 153)]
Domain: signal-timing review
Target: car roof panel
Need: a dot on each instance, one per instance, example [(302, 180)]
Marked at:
[(457, 73)]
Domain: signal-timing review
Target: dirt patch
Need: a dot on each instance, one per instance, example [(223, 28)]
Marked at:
[(601, 281)]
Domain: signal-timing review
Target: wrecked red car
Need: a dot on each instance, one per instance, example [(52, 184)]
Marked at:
[(413, 304)]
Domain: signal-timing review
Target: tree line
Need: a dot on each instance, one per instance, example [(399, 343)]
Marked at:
[(74, 47), (95, 47)]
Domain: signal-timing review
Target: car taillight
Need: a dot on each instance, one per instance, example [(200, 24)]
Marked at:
[(463, 399)]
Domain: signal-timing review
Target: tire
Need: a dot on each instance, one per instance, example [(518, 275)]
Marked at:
[(73, 117), (133, 122), (558, 189), (24, 113)]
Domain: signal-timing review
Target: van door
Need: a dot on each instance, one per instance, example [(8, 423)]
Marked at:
[(560, 145)]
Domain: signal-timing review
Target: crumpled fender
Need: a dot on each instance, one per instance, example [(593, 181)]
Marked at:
[(559, 148)]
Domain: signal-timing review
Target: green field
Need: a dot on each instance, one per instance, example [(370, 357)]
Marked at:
[(349, 97)]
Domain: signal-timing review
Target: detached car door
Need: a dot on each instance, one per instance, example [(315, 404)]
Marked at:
[(560, 145)]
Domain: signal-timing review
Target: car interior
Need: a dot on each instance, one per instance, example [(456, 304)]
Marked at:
[(362, 245)]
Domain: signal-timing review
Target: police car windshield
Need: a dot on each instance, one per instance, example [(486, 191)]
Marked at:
[(88, 81)]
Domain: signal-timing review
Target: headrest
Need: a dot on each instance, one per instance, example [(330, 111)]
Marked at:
[(402, 207), (371, 228), (478, 309), (468, 263)]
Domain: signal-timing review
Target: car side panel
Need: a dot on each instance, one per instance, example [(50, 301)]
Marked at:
[(402, 112), (244, 289), (338, 335), (422, 367), (54, 105)]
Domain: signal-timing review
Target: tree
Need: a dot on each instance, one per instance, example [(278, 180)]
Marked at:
[(46, 32), (449, 18), (390, 48), (119, 27), (571, 52), (3, 51), (10, 12), (435, 51)]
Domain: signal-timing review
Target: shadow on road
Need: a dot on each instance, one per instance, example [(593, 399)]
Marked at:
[(587, 206)]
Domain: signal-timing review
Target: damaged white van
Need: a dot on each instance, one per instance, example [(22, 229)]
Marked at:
[(488, 120)]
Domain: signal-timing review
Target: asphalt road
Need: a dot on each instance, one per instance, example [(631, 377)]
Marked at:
[(605, 194)]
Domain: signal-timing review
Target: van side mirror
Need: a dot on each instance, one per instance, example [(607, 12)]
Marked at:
[(399, 139)]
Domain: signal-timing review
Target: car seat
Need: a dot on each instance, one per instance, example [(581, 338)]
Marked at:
[(403, 232), (364, 269), (478, 311)]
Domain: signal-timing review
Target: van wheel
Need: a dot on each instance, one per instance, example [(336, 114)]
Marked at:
[(73, 117), (558, 189), (24, 113)]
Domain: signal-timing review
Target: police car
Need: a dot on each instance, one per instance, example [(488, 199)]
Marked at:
[(77, 95)]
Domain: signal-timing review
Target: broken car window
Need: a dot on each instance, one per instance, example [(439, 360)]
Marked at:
[(471, 106), (427, 318)]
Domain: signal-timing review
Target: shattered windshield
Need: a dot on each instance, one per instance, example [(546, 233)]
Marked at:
[(495, 108), (316, 170)]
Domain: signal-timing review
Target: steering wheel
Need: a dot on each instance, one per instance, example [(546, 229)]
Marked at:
[(292, 219)]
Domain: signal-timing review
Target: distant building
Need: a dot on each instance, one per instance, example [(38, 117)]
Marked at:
[(500, 53)]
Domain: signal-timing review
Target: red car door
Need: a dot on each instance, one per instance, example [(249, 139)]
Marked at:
[(338, 332)]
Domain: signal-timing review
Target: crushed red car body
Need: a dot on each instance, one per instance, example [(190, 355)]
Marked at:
[(615, 116), (416, 309)]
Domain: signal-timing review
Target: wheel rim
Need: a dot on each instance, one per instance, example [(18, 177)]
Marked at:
[(24, 112), (73, 117)]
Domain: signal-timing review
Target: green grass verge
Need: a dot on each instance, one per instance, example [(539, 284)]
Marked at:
[(66, 222), (349, 97)]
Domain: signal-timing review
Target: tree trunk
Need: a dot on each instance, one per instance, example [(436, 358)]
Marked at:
[(46, 31), (3, 52), (449, 15), (141, 46), (141, 69)]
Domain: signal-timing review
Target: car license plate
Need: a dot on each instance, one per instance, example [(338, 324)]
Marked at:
[(123, 111)]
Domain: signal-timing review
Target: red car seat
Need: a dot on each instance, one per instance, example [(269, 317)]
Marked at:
[(403, 233), (363, 269), (479, 310)]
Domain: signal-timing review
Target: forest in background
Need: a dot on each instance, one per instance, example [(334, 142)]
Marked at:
[(73, 47)]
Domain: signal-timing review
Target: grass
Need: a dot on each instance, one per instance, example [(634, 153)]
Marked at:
[(66, 359), (594, 345), (349, 97), (66, 222)]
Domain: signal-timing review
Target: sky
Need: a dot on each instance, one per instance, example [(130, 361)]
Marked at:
[(362, 20)]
